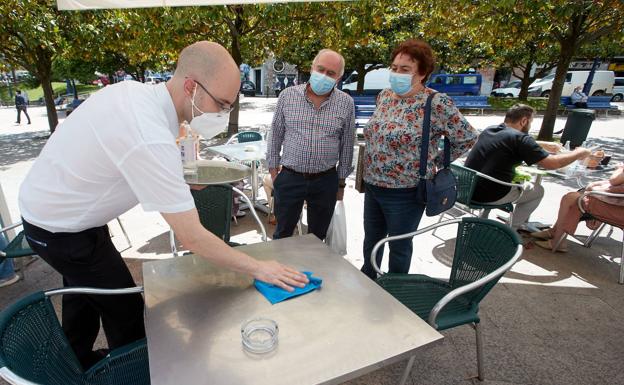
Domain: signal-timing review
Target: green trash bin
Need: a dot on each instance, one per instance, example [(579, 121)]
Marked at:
[(577, 126)]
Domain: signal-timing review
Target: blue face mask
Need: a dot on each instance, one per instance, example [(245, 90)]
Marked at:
[(321, 84), (401, 84)]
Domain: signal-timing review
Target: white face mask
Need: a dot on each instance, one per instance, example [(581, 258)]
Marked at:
[(208, 124)]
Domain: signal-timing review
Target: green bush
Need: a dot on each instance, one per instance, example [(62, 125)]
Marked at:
[(504, 103)]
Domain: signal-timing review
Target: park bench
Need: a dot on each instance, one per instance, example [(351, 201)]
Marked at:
[(364, 109), (593, 103), (469, 102)]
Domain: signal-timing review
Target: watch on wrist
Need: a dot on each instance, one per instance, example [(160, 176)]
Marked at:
[(342, 185)]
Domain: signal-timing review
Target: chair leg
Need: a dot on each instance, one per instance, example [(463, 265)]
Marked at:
[(123, 230), (440, 217), (484, 213), (558, 242), (477, 329), (592, 237), (408, 369), (621, 280), (174, 249)]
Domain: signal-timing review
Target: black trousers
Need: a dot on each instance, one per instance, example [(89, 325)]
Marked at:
[(19, 112), (89, 258), (581, 104), (291, 189)]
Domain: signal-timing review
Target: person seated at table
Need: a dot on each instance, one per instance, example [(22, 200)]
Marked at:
[(578, 98), (500, 149), (610, 209), (129, 157)]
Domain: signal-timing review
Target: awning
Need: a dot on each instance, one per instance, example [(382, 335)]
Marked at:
[(66, 5)]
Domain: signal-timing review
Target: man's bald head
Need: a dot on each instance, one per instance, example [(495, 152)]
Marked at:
[(206, 61), (331, 58)]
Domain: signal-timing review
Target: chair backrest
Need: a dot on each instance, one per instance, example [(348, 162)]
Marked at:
[(466, 182), (33, 345), (482, 246), (214, 206), (248, 136)]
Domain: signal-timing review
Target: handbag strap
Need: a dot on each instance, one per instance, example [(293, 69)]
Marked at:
[(424, 145)]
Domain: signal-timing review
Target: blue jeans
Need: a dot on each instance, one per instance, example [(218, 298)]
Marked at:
[(6, 268), (390, 211)]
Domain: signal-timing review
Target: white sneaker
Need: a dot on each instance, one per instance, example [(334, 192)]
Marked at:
[(9, 281)]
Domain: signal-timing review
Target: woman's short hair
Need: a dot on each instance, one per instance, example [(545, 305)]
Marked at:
[(420, 52), (519, 111)]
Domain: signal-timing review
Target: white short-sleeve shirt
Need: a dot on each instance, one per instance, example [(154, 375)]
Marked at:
[(114, 151)]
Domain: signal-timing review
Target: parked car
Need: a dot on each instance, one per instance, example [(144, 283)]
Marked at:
[(618, 90), (248, 88), (153, 79), (456, 84), (374, 82), (602, 84), (511, 90)]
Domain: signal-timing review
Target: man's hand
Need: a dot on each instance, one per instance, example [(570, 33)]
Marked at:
[(273, 172), (280, 275), (581, 153), (340, 193)]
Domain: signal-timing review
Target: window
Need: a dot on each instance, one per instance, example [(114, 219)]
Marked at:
[(470, 80), (568, 77), (453, 80), (438, 80), (619, 82)]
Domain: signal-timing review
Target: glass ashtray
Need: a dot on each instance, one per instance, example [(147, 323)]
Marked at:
[(259, 335)]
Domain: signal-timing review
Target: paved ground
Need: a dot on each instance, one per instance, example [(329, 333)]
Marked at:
[(554, 319)]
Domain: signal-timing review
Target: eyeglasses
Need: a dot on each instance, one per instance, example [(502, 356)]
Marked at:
[(222, 106)]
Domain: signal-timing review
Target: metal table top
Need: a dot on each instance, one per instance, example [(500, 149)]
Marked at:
[(194, 312), (246, 151), (217, 172)]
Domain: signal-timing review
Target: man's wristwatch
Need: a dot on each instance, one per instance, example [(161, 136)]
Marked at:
[(342, 184)]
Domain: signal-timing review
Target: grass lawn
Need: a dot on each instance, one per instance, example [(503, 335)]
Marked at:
[(35, 94)]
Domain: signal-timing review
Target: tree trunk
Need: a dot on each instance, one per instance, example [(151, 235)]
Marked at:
[(48, 96), (73, 84), (550, 116), (524, 86), (236, 55), (360, 68)]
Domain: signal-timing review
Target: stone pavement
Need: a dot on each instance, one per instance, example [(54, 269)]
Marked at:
[(553, 319)]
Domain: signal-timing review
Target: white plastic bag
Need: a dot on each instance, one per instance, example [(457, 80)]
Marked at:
[(336, 237)]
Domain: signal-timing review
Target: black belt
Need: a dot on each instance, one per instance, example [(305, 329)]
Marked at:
[(307, 175)]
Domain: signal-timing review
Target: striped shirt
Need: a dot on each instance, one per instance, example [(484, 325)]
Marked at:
[(312, 140)]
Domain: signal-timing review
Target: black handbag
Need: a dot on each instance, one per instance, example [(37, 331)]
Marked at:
[(439, 194)]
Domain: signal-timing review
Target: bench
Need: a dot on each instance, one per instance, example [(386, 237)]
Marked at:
[(471, 102), (593, 103), (364, 109)]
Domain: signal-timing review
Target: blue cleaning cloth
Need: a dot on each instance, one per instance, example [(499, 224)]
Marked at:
[(276, 294)]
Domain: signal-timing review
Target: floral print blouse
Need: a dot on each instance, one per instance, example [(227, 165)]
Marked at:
[(393, 136)]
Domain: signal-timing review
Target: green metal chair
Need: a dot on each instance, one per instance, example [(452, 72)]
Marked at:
[(214, 206), (484, 251), (244, 137), (467, 179), (34, 349), (16, 247)]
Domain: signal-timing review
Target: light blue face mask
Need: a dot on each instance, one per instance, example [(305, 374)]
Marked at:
[(401, 84), (321, 84)]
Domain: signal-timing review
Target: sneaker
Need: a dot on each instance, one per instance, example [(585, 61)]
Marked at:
[(548, 245), (544, 234), (240, 214), (9, 281)]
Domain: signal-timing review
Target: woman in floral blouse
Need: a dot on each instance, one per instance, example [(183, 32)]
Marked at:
[(392, 157)]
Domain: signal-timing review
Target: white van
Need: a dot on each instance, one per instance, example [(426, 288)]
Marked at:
[(601, 85), (374, 82)]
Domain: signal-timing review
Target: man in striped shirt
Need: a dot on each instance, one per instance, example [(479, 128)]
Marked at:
[(310, 147)]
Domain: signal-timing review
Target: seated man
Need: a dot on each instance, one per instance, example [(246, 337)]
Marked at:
[(500, 149), (578, 98), (609, 209)]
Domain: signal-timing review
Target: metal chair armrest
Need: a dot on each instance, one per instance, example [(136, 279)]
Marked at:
[(403, 236), (92, 290), (579, 201), (10, 227), (484, 176), (13, 378), (253, 212), (471, 286)]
